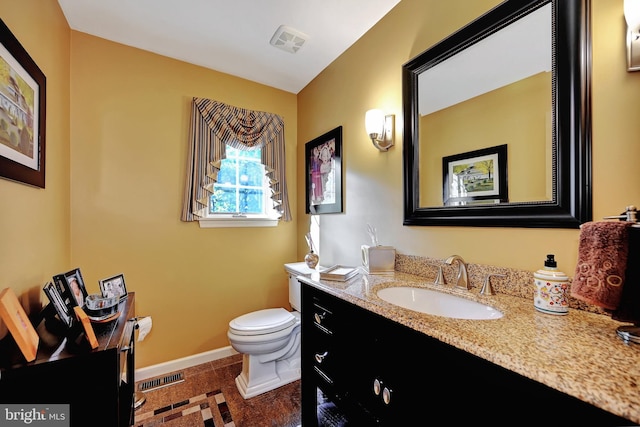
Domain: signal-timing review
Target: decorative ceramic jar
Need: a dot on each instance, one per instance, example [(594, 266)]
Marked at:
[(551, 287)]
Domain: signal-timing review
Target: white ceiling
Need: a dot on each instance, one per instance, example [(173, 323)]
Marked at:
[(232, 36)]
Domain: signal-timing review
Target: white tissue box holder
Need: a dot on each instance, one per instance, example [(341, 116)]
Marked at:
[(378, 259)]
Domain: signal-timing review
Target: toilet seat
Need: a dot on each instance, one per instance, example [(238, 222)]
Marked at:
[(262, 322)]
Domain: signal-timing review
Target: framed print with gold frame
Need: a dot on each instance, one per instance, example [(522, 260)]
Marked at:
[(22, 113)]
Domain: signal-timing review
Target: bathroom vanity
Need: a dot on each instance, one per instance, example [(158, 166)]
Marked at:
[(376, 364)]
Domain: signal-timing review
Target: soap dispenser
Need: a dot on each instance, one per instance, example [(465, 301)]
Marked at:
[(551, 287)]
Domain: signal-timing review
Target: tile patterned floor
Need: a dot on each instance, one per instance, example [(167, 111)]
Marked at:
[(208, 397)]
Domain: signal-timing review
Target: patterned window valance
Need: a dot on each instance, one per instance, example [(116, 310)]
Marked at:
[(213, 126)]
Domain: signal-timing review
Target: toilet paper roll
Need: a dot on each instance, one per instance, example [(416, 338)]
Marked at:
[(144, 327)]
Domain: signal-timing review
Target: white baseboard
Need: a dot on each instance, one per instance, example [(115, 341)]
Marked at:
[(182, 363)]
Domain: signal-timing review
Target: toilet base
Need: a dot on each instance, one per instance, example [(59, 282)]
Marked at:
[(257, 378)]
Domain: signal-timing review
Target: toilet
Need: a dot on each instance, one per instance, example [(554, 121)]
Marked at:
[(269, 341)]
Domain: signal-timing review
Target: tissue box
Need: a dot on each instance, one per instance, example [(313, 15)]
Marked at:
[(378, 259)]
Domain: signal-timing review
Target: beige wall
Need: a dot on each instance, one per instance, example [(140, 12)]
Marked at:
[(115, 173), (129, 132), (34, 222), (117, 144), (368, 76)]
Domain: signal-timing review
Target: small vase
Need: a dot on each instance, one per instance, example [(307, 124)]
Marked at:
[(311, 259)]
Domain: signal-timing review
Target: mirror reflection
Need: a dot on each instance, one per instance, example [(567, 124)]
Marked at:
[(495, 92)]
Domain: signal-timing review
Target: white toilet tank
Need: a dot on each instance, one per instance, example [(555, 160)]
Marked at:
[(294, 270)]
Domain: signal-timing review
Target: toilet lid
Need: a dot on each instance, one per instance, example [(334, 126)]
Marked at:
[(262, 322)]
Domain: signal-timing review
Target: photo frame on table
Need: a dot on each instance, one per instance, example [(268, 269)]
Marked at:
[(19, 325), (71, 287), (323, 173), (475, 177), (56, 300), (22, 113), (86, 326), (113, 286)]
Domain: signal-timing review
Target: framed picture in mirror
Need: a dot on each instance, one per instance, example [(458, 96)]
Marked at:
[(475, 177)]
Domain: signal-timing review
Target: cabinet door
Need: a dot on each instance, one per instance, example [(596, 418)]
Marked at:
[(87, 383), (386, 377)]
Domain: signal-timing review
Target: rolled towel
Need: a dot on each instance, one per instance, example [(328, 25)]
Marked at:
[(602, 261)]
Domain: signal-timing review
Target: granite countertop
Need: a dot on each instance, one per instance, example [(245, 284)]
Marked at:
[(578, 354)]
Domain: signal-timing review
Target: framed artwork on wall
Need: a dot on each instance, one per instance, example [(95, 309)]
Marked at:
[(22, 113), (323, 173), (475, 177)]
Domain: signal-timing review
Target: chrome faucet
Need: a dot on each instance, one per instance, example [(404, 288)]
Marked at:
[(462, 281)]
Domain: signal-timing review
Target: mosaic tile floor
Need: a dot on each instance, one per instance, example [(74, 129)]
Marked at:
[(208, 397)]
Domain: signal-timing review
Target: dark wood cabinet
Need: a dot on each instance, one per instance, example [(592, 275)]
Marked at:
[(373, 371), (98, 384)]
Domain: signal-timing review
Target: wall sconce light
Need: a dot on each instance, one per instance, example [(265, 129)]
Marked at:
[(380, 128), (632, 16)]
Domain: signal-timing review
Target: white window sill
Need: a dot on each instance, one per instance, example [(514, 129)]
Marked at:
[(231, 222)]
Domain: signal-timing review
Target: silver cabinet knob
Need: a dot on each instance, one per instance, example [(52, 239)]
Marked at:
[(386, 396), (377, 386), (320, 357), (319, 317)]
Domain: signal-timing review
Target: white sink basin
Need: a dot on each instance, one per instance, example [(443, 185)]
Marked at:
[(438, 303)]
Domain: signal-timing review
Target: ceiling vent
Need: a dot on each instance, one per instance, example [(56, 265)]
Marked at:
[(289, 39)]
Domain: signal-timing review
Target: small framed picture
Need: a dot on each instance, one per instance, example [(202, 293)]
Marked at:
[(86, 325), (58, 303), (71, 287), (323, 177), (15, 318), (475, 177), (113, 286)]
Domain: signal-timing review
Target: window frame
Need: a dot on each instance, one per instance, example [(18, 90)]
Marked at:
[(269, 218)]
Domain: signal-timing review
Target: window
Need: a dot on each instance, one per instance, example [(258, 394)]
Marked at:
[(213, 125), (242, 195)]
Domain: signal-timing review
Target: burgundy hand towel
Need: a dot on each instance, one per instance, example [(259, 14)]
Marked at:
[(602, 261)]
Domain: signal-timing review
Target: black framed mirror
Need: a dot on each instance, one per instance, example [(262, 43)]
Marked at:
[(543, 116)]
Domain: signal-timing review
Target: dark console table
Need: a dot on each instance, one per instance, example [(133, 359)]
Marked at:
[(98, 384)]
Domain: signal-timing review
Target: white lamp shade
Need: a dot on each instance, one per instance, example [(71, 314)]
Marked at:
[(374, 122), (632, 14)]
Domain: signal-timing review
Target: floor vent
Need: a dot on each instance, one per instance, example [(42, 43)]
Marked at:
[(157, 383)]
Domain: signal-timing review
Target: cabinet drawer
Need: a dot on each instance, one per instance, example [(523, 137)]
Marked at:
[(324, 318), (324, 356)]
